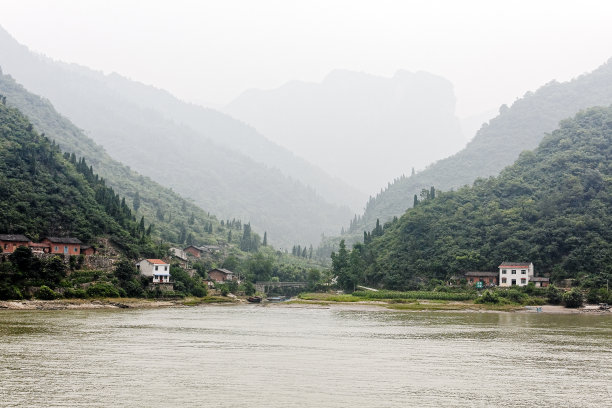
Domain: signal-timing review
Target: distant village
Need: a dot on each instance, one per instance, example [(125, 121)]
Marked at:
[(508, 273), (158, 270)]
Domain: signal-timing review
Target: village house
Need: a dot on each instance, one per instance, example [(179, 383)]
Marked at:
[(66, 246), (220, 275), (10, 242), (515, 273), (198, 251), (487, 278), (157, 269), (87, 250), (39, 248), (179, 253), (540, 281)]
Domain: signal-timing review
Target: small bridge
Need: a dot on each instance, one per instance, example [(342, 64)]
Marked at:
[(265, 287)]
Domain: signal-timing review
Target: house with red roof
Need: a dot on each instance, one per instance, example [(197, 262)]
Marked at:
[(155, 268)]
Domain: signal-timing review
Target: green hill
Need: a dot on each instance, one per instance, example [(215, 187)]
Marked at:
[(45, 193), (176, 219), (552, 207), (496, 145)]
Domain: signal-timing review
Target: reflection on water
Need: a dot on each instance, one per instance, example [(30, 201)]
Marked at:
[(229, 356)]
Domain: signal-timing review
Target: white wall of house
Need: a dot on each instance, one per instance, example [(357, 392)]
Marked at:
[(147, 268), (515, 275)]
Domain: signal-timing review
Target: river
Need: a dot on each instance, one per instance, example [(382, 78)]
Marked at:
[(265, 356)]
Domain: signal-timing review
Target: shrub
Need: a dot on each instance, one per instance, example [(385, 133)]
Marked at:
[(573, 298), (554, 295), (515, 296), (488, 297), (8, 292), (75, 293), (199, 291), (46, 293), (102, 289)]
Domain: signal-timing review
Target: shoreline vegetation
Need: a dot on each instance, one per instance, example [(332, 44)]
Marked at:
[(314, 300)]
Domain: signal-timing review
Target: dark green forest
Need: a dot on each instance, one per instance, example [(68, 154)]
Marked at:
[(552, 207), (44, 192)]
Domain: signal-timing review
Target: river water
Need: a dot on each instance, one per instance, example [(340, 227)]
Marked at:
[(263, 356)]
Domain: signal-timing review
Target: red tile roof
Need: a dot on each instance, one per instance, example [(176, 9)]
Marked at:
[(514, 264), (157, 261)]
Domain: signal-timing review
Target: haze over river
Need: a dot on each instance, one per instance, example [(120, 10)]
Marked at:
[(264, 356)]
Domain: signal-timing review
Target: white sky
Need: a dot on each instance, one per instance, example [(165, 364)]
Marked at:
[(211, 51)]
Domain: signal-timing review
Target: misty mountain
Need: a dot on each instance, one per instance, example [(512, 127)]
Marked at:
[(174, 153), (496, 145), (175, 219), (360, 127)]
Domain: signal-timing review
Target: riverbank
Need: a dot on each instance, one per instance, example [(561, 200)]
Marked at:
[(108, 303), (415, 306)]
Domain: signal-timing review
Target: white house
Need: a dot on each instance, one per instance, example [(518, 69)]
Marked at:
[(515, 273), (156, 268)]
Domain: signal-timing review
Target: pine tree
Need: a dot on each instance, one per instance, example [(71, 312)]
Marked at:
[(136, 201), (416, 201), (265, 239), (432, 193)]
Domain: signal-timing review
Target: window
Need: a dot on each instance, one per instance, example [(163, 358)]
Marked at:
[(513, 282), (503, 280), (75, 249), (471, 280), (514, 271), (56, 247), (156, 267), (5, 246), (523, 281), (523, 271), (504, 271), (165, 268)]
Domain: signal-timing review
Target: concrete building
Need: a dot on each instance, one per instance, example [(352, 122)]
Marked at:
[(155, 268), (515, 273)]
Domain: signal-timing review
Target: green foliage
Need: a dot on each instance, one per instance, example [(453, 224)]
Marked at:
[(554, 295), (46, 293), (386, 294), (46, 193), (573, 298), (101, 290), (488, 297), (70, 293)]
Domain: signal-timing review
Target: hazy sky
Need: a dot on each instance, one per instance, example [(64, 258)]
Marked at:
[(210, 51)]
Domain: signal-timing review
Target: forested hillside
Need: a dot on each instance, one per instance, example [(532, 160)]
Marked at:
[(552, 207), (498, 143), (45, 193), (174, 153), (176, 220)]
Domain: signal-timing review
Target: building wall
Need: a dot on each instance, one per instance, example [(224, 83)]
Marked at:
[(193, 251), (218, 276), (148, 269), (521, 276), (8, 247), (66, 249), (487, 280)]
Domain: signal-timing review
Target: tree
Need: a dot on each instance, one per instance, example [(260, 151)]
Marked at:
[(125, 270), (416, 201), (340, 266), (265, 239), (573, 298), (136, 201)]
